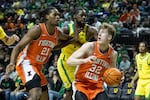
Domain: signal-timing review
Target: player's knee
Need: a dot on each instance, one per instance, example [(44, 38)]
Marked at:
[(35, 94)]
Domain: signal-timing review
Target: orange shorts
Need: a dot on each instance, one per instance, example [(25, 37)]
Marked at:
[(27, 71)]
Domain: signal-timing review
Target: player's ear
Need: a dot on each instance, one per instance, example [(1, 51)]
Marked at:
[(109, 37)]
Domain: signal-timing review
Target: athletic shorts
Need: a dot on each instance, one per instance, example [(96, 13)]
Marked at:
[(91, 92), (31, 74), (66, 72), (143, 88), (81, 96)]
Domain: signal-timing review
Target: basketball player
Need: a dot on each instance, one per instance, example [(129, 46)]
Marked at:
[(92, 59), (37, 45), (143, 73), (81, 33), (6, 39)]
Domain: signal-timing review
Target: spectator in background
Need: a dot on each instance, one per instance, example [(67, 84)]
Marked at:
[(96, 23), (10, 26), (1, 71), (55, 84), (121, 50), (7, 85), (20, 91), (125, 63), (8, 40), (125, 19), (135, 16)]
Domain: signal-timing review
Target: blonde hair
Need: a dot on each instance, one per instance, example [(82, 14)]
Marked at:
[(110, 28)]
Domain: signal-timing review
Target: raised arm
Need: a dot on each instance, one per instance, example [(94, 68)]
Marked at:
[(79, 56), (9, 40)]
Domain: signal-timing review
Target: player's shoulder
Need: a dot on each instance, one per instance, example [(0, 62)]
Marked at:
[(34, 32), (35, 28), (88, 45), (114, 52)]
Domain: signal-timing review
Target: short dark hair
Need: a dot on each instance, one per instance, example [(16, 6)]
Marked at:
[(45, 12), (146, 44), (76, 11)]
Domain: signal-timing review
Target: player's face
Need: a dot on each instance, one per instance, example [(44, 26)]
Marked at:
[(81, 17), (103, 36), (54, 17), (142, 48)]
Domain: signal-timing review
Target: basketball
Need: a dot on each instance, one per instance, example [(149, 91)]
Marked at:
[(112, 77)]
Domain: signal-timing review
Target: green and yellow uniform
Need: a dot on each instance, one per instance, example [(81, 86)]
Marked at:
[(2, 33), (67, 72), (143, 85)]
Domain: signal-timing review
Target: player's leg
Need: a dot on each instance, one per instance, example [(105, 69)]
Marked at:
[(101, 96), (34, 88), (140, 92), (36, 92), (33, 79), (68, 95), (147, 90), (81, 96), (67, 76), (44, 95)]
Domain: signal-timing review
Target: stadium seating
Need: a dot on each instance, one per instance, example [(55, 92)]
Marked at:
[(127, 94), (114, 93)]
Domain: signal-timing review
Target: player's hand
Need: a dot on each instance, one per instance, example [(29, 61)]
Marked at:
[(122, 79), (10, 68), (15, 37), (90, 59), (132, 83)]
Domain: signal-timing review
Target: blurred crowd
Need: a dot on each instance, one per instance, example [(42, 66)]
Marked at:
[(17, 16)]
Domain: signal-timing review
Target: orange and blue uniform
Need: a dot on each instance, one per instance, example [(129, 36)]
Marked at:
[(89, 76), (35, 54)]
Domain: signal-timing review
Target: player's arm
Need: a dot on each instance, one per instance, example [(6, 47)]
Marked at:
[(32, 34), (148, 60), (9, 40), (78, 57), (113, 59), (63, 38), (92, 33), (134, 79), (62, 34)]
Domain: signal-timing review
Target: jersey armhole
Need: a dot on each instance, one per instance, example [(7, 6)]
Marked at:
[(68, 26), (148, 60)]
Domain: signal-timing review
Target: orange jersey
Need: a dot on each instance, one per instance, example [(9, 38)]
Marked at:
[(39, 51), (89, 76)]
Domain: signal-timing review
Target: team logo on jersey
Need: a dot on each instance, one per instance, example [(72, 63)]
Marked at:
[(29, 73)]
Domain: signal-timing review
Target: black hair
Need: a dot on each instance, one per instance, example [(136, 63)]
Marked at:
[(146, 44), (43, 13), (77, 9)]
